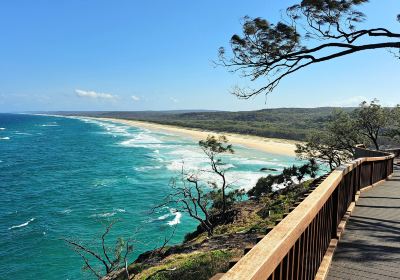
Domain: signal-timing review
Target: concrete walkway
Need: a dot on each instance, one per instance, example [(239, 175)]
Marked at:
[(370, 244)]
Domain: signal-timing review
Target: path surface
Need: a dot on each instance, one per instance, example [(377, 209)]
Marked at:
[(370, 244)]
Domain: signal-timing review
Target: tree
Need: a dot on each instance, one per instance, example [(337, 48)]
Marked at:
[(313, 31), (189, 196), (371, 119), (204, 200), (213, 147), (265, 185), (344, 132), (394, 123), (336, 143), (322, 146), (109, 261)]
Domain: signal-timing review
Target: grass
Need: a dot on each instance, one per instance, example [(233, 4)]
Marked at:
[(197, 265)]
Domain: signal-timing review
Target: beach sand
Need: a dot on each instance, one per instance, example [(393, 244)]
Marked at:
[(270, 145)]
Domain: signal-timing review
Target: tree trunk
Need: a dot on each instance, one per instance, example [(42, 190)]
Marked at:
[(375, 143)]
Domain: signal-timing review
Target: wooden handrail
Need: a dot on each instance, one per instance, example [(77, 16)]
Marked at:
[(295, 248)]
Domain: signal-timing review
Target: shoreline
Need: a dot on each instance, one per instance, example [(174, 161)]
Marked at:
[(269, 145)]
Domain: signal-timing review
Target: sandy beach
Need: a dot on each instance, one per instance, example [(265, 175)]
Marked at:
[(270, 145)]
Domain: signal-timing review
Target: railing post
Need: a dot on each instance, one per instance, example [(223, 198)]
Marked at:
[(354, 183), (387, 168), (335, 202), (372, 174)]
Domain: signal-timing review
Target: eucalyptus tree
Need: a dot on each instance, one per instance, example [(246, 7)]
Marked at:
[(322, 146), (394, 122), (204, 199), (311, 32), (334, 145), (371, 119)]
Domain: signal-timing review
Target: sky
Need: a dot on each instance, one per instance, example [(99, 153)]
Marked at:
[(158, 55)]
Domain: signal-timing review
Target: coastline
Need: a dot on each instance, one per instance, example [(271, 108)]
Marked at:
[(269, 145)]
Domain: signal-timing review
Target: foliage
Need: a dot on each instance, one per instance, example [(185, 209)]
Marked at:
[(371, 118), (314, 31), (204, 201), (322, 146), (230, 198), (394, 123), (286, 123), (213, 147), (265, 185), (343, 132), (366, 124), (198, 265)]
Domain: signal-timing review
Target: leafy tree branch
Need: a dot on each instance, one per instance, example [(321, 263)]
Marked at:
[(313, 31)]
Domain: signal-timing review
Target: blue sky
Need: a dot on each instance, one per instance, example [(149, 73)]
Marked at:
[(156, 55)]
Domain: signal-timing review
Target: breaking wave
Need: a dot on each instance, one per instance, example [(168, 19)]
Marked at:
[(177, 219), (22, 225)]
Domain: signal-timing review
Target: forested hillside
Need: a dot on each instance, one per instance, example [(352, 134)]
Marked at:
[(287, 123)]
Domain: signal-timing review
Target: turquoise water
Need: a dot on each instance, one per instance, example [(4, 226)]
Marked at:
[(68, 177)]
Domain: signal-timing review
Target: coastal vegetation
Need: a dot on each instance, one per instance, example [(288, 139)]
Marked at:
[(205, 200), (283, 123), (370, 124), (201, 256), (228, 225)]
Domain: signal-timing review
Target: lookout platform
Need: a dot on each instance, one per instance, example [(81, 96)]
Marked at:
[(370, 245), (347, 227)]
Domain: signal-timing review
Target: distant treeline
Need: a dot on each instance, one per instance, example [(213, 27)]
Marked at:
[(286, 123)]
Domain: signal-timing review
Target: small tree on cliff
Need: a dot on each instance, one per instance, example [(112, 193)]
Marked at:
[(189, 196), (110, 259), (313, 31), (204, 200), (213, 147)]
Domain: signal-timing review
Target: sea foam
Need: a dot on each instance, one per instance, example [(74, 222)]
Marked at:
[(104, 215), (177, 219), (147, 168), (22, 225), (4, 138), (143, 140), (163, 217), (45, 125)]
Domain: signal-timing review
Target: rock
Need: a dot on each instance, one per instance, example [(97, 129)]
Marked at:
[(268, 169)]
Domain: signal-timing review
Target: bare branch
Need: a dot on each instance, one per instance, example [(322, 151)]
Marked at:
[(78, 246)]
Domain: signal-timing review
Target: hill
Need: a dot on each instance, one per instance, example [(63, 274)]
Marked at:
[(286, 123)]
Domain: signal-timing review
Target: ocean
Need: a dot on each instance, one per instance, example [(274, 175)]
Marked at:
[(69, 177)]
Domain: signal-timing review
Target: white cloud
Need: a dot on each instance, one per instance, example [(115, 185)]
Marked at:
[(94, 95), (174, 99), (135, 98)]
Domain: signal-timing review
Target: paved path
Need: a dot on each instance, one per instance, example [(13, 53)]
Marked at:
[(370, 245)]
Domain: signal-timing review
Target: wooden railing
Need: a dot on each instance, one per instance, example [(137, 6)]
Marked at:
[(298, 245)]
